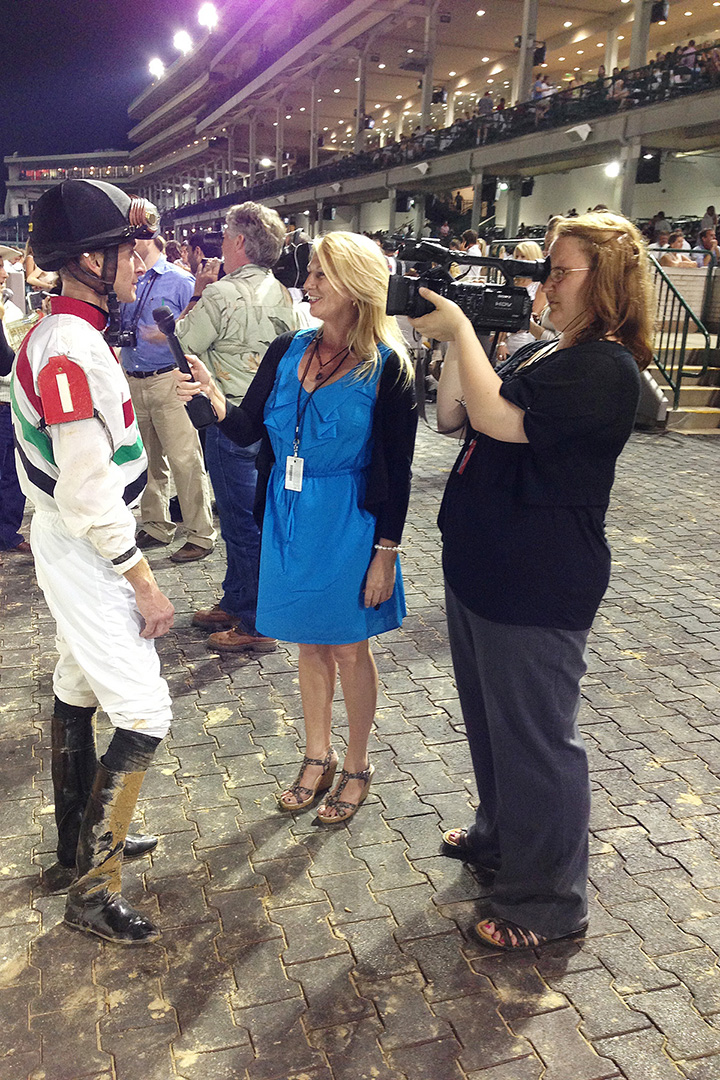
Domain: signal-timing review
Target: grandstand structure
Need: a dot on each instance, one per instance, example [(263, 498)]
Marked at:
[(279, 91), (304, 105)]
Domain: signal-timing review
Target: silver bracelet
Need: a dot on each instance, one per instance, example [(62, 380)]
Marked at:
[(384, 547)]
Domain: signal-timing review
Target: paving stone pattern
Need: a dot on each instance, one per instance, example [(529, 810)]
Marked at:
[(291, 951)]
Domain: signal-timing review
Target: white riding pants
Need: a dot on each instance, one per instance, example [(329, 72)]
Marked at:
[(103, 660)]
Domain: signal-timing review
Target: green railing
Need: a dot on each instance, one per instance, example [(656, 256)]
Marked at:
[(675, 321)]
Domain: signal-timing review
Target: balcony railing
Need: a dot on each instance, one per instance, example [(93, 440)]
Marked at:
[(78, 172), (647, 86)]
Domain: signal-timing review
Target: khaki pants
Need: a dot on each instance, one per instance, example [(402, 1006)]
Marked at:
[(171, 443)]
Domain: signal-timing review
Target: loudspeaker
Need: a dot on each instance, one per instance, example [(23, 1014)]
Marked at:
[(659, 11), (328, 213), (489, 190), (528, 183), (402, 202), (648, 169), (539, 55)]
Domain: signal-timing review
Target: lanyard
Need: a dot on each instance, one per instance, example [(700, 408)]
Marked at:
[(302, 409), (147, 290)]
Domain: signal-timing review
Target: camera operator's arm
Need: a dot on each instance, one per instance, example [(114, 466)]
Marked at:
[(479, 385), (451, 413)]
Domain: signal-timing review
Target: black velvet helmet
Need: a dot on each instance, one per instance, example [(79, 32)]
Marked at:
[(86, 215)]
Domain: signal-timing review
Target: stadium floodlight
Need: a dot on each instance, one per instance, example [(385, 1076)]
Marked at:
[(208, 16), (182, 42)]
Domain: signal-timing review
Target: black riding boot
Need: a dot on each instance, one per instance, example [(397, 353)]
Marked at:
[(94, 902), (74, 764)]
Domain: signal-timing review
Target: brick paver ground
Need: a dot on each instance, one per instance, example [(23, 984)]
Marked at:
[(290, 950)]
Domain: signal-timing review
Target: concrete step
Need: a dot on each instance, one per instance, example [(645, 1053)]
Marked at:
[(693, 396), (701, 420)]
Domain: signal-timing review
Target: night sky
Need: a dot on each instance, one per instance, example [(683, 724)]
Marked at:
[(69, 68)]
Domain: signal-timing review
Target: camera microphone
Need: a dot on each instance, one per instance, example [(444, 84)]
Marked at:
[(199, 408)]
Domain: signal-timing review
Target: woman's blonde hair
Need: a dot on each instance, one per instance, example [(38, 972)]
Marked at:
[(527, 249), (355, 267), (619, 286)]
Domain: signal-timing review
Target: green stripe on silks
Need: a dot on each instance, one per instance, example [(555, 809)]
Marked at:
[(39, 439), (129, 453)]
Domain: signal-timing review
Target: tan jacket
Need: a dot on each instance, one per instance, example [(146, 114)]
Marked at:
[(233, 323)]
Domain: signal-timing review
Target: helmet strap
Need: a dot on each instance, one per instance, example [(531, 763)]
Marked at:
[(102, 285), (109, 270)]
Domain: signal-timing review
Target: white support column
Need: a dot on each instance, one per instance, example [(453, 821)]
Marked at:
[(512, 218), (523, 76), (629, 157), (231, 158), (314, 132), (476, 211), (430, 49), (319, 220), (252, 148), (640, 34), (360, 109), (279, 139), (355, 218), (392, 195), (612, 46), (450, 111), (419, 215)]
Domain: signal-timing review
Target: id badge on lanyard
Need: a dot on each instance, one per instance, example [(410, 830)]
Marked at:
[(294, 472)]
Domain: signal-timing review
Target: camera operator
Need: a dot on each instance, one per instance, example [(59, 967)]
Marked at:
[(202, 247), (526, 564)]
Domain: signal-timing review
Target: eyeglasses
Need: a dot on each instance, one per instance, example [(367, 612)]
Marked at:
[(558, 273)]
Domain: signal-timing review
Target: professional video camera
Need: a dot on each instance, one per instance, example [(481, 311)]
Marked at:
[(488, 307)]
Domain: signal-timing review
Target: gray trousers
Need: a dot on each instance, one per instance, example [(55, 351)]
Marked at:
[(519, 689)]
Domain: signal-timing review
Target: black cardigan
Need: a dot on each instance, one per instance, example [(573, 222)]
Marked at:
[(393, 433), (6, 354)]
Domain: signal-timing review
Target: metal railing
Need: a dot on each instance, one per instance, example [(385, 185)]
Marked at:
[(675, 322), (658, 82)]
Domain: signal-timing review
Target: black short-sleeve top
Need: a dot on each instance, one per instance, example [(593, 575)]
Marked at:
[(523, 523)]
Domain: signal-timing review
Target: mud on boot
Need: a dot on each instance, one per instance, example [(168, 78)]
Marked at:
[(95, 903)]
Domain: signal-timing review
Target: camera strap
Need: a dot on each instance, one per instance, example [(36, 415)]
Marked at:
[(467, 455), (143, 301)]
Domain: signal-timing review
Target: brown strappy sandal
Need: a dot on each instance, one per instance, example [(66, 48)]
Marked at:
[(345, 810), (302, 792), (509, 937)]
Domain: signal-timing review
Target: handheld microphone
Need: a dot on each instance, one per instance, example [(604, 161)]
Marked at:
[(199, 408)]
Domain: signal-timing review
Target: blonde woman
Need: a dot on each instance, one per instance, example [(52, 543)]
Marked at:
[(335, 410), (510, 343)]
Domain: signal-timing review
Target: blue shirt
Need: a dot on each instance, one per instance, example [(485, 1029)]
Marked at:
[(164, 285)]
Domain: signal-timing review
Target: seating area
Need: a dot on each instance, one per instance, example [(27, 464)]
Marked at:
[(668, 77)]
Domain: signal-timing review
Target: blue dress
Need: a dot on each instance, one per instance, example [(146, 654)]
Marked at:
[(317, 543)]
